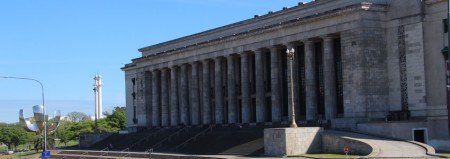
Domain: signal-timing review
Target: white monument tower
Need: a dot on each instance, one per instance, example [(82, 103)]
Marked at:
[(98, 96)]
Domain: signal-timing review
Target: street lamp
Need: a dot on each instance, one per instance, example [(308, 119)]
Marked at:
[(43, 106), (290, 54)]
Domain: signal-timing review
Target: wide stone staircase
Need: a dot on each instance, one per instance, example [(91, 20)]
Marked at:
[(231, 141), (227, 140), (208, 140)]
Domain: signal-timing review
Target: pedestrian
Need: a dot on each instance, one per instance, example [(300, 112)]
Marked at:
[(110, 146)]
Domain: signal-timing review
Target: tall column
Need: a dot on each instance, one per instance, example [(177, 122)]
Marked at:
[(275, 77), (245, 86), (295, 83), (148, 97), (218, 88), (174, 117), (260, 90), (195, 96), (310, 77), (156, 91), (164, 97), (329, 78), (232, 98), (206, 93), (184, 111)]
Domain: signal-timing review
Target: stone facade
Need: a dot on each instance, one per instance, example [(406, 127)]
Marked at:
[(355, 61), (292, 141)]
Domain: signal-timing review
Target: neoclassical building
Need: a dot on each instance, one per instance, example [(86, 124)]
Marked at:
[(371, 65)]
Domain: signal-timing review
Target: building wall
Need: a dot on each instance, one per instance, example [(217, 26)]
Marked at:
[(364, 68), (437, 131), (390, 53), (409, 31), (435, 70), (129, 98)]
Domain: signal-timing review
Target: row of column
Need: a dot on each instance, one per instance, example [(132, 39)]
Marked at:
[(191, 103)]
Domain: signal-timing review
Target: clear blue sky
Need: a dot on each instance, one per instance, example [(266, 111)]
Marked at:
[(65, 43)]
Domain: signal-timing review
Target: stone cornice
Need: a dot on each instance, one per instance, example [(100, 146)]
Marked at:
[(433, 1), (301, 10), (256, 18), (296, 21)]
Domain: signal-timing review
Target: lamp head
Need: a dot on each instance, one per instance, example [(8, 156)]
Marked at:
[(290, 53)]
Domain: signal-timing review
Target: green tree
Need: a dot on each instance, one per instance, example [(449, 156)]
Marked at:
[(82, 127), (64, 133), (3, 125), (77, 117), (118, 118), (13, 136)]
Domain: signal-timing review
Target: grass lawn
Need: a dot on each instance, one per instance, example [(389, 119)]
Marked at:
[(330, 156), (17, 155), (444, 154), (31, 152), (71, 143)]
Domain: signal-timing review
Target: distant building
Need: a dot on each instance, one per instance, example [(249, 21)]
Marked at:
[(369, 65)]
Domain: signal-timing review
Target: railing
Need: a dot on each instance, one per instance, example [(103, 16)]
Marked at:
[(126, 154), (150, 151), (202, 133), (104, 152), (82, 155), (168, 138), (146, 138)]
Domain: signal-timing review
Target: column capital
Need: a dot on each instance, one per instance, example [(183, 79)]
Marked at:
[(290, 45), (274, 48), (307, 41), (206, 61), (244, 53), (195, 63), (219, 58), (184, 64), (327, 38), (257, 51), (231, 56)]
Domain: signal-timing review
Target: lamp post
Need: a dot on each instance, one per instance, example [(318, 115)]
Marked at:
[(43, 105), (290, 54)]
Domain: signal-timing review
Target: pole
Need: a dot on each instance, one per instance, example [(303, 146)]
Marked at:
[(43, 105), (448, 69), (291, 58)]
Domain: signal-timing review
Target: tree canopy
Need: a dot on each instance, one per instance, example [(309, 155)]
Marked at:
[(13, 136), (77, 117)]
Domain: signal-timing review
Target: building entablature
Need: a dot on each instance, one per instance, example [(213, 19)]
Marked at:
[(310, 11), (279, 40), (433, 1)]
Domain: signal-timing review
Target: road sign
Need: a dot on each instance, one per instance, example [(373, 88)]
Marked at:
[(346, 149)]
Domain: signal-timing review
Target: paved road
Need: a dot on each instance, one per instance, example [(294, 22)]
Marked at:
[(387, 148)]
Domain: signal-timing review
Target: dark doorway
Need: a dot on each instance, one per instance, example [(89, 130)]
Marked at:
[(301, 82), (318, 51), (339, 79), (420, 135)]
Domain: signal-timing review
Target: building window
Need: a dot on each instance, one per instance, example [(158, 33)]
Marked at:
[(445, 21)]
